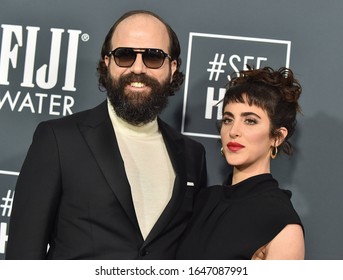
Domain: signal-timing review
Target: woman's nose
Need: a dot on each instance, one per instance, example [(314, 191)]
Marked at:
[(235, 130)]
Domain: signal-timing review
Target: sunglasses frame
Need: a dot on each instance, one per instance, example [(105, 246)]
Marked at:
[(142, 51)]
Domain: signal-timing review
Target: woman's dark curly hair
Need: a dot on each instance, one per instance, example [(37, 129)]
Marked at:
[(174, 51), (276, 92)]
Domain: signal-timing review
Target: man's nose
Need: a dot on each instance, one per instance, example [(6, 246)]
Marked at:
[(138, 67)]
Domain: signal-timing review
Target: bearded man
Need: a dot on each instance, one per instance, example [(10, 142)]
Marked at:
[(115, 181)]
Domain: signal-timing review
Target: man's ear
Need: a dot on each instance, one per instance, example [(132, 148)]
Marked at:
[(106, 60), (173, 67)]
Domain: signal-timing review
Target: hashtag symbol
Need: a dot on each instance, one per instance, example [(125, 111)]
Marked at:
[(7, 205), (216, 66)]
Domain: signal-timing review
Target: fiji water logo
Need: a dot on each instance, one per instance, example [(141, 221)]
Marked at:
[(17, 42)]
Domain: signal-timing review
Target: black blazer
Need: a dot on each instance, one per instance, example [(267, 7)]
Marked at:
[(73, 195)]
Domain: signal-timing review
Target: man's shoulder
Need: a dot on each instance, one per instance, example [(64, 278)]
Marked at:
[(80, 116)]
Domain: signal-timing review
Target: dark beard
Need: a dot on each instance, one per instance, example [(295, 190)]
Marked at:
[(138, 108)]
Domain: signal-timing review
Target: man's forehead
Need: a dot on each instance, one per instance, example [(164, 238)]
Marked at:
[(140, 28)]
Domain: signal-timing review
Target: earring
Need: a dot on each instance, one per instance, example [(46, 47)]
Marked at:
[(221, 151), (273, 152)]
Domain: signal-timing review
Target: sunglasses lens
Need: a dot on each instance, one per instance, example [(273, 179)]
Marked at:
[(153, 58), (124, 57)]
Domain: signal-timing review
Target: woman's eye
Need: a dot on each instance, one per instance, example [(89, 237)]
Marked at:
[(250, 121), (226, 121)]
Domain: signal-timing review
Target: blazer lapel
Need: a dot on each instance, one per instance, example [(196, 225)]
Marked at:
[(99, 134)]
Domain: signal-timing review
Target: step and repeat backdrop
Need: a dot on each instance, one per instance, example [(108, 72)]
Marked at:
[(48, 55)]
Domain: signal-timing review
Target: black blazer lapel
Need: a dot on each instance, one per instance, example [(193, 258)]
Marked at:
[(98, 132)]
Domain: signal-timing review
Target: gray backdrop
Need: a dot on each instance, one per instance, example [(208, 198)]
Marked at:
[(217, 37)]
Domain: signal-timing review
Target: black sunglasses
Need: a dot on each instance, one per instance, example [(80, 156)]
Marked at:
[(126, 57)]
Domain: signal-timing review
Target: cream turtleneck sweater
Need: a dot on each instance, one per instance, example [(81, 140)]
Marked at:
[(148, 168)]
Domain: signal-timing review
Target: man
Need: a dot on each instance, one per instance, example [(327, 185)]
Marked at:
[(113, 182)]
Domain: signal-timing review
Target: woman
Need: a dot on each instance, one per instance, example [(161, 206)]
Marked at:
[(250, 217)]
